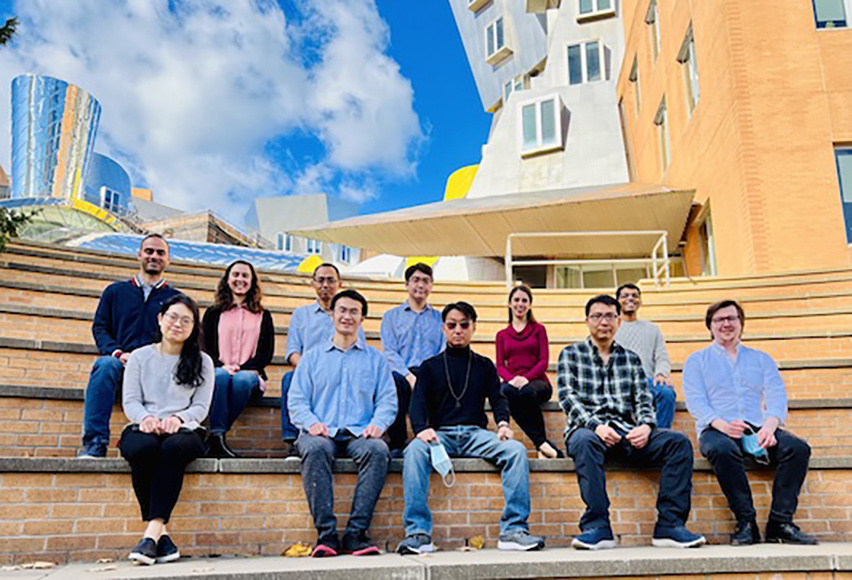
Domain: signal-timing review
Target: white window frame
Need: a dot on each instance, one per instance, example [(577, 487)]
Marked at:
[(634, 79), (477, 5), (583, 64), (662, 122), (513, 86), (597, 12), (285, 242), (313, 247), (540, 147), (838, 151), (652, 19), (847, 8), (689, 60), (500, 52), (110, 199), (344, 253)]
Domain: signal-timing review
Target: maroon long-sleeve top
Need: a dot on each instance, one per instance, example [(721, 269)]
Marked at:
[(523, 353)]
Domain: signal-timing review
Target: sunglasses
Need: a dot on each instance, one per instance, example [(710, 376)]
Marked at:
[(465, 324)]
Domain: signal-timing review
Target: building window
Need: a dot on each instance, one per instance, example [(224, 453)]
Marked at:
[(830, 13), (634, 78), (476, 5), (314, 247), (585, 62), (541, 125), (512, 86), (495, 42), (652, 19), (594, 9), (663, 134), (110, 200), (285, 242), (344, 254), (844, 175), (690, 70)]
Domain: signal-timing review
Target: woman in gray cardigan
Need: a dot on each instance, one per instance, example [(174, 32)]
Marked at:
[(167, 390)]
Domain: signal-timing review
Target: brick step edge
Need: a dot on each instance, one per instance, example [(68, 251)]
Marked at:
[(293, 465), (491, 564), (77, 394)]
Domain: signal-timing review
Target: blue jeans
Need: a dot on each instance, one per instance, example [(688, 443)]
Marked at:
[(467, 441), (289, 432), (231, 395), (101, 392), (664, 403)]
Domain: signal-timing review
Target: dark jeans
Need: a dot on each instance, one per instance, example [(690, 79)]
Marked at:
[(790, 456), (231, 395), (665, 448), (525, 406), (289, 432), (665, 399), (157, 464), (101, 393), (398, 431), (371, 456)]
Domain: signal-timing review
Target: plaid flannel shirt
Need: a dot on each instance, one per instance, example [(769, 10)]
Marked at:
[(591, 393)]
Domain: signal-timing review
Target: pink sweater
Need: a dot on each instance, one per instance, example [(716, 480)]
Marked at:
[(523, 354)]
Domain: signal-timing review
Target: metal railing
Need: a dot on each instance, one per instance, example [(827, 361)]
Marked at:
[(658, 260)]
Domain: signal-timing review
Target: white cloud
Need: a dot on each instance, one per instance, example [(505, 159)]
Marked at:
[(192, 96)]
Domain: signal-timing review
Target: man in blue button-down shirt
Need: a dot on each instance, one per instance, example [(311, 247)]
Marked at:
[(411, 333), (342, 399), (732, 390), (310, 325)]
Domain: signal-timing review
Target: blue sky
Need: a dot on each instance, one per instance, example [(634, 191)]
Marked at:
[(214, 102)]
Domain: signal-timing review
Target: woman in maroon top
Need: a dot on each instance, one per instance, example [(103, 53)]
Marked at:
[(522, 358)]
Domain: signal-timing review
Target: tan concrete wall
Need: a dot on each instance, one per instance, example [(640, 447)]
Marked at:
[(775, 96)]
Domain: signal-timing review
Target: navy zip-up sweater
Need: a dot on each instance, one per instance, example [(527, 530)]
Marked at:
[(124, 320)]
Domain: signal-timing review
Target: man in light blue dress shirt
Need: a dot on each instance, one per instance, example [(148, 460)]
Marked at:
[(736, 394), (342, 400), (411, 333), (310, 325)]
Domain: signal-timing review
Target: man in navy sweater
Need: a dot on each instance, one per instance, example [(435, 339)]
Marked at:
[(126, 319)]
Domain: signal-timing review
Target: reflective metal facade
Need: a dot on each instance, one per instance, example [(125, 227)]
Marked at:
[(106, 172), (54, 124)]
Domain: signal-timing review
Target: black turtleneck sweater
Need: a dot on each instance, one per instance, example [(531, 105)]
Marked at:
[(432, 404)]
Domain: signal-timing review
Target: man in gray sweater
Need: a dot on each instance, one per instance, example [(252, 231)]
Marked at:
[(645, 339)]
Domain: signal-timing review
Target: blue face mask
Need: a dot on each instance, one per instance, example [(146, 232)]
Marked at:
[(441, 463), (753, 448)]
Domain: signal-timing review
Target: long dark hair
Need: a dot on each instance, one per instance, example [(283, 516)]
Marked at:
[(224, 299), (528, 291), (189, 367)]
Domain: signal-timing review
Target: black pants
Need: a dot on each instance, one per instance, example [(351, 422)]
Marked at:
[(525, 406), (398, 431), (157, 464), (790, 456), (665, 448)]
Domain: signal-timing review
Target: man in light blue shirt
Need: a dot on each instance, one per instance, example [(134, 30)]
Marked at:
[(737, 398), (342, 399), (411, 333), (310, 325)]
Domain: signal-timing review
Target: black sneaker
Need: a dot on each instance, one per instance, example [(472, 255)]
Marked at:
[(746, 534), (326, 547), (166, 550), (788, 533), (218, 447), (92, 451), (358, 544), (416, 544), (145, 552)]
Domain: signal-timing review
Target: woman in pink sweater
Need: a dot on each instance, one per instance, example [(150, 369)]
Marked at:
[(522, 358)]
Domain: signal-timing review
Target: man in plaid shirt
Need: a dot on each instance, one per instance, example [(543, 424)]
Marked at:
[(603, 391)]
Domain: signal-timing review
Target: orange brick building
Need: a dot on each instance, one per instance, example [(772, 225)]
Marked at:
[(750, 105)]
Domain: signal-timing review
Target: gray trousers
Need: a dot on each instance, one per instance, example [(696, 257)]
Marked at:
[(317, 453)]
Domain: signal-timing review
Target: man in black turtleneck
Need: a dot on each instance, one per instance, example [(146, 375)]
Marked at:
[(448, 407)]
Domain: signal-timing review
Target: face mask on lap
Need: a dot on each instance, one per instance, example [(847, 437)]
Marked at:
[(442, 463)]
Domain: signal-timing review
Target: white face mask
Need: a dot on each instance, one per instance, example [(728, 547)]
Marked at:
[(442, 463)]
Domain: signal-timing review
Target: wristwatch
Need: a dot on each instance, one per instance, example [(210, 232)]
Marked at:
[(502, 424)]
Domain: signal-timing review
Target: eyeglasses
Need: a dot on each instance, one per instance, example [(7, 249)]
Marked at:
[(723, 319), (173, 319), (597, 317), (330, 280), (464, 325)]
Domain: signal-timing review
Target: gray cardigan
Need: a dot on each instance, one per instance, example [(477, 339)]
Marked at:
[(150, 389)]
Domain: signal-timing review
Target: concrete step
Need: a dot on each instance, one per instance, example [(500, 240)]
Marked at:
[(46, 422), (68, 509), (829, 560)]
